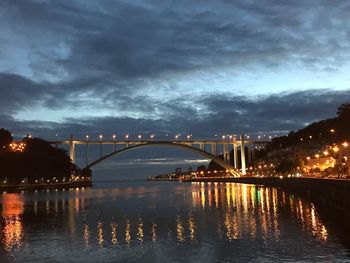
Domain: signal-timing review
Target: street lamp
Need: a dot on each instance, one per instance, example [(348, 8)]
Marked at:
[(101, 137), (86, 150), (152, 136), (127, 136), (114, 136), (139, 136)]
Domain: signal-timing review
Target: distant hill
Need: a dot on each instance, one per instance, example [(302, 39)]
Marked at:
[(323, 132)]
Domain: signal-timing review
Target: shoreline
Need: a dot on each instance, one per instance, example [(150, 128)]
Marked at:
[(34, 187), (271, 181)]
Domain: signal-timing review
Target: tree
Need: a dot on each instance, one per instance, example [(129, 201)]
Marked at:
[(5, 139), (287, 166), (344, 111), (201, 168)]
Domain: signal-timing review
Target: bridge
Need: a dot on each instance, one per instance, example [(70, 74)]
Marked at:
[(196, 146)]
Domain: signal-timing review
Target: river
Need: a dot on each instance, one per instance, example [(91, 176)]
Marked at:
[(165, 222)]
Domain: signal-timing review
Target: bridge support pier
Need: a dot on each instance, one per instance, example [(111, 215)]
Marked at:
[(213, 149), (72, 148), (244, 172), (226, 152), (249, 153), (235, 157), (253, 152)]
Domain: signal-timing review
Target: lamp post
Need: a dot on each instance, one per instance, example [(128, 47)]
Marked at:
[(114, 136), (101, 137), (127, 140), (86, 150)]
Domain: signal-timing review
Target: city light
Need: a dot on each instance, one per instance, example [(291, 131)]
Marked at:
[(17, 147)]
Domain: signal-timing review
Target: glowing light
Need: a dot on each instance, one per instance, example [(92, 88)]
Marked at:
[(127, 233), (100, 234)]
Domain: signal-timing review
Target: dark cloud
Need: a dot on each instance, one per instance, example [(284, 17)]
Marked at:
[(138, 63), (225, 114)]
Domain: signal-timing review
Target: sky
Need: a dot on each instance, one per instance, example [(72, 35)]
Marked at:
[(171, 66)]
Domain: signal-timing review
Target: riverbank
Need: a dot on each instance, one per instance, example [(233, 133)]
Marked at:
[(63, 185)]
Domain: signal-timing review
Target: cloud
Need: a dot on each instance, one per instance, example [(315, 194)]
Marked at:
[(223, 114), (178, 66)]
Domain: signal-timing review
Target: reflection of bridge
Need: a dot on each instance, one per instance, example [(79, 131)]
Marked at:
[(197, 146)]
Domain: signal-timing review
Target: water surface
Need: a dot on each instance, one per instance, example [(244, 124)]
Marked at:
[(165, 222)]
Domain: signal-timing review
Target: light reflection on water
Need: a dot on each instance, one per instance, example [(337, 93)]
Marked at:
[(157, 219)]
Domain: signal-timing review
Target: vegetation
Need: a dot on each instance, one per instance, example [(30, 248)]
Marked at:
[(288, 166), (323, 132), (5, 140), (35, 161)]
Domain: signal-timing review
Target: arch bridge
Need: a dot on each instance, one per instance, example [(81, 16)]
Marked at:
[(196, 146)]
